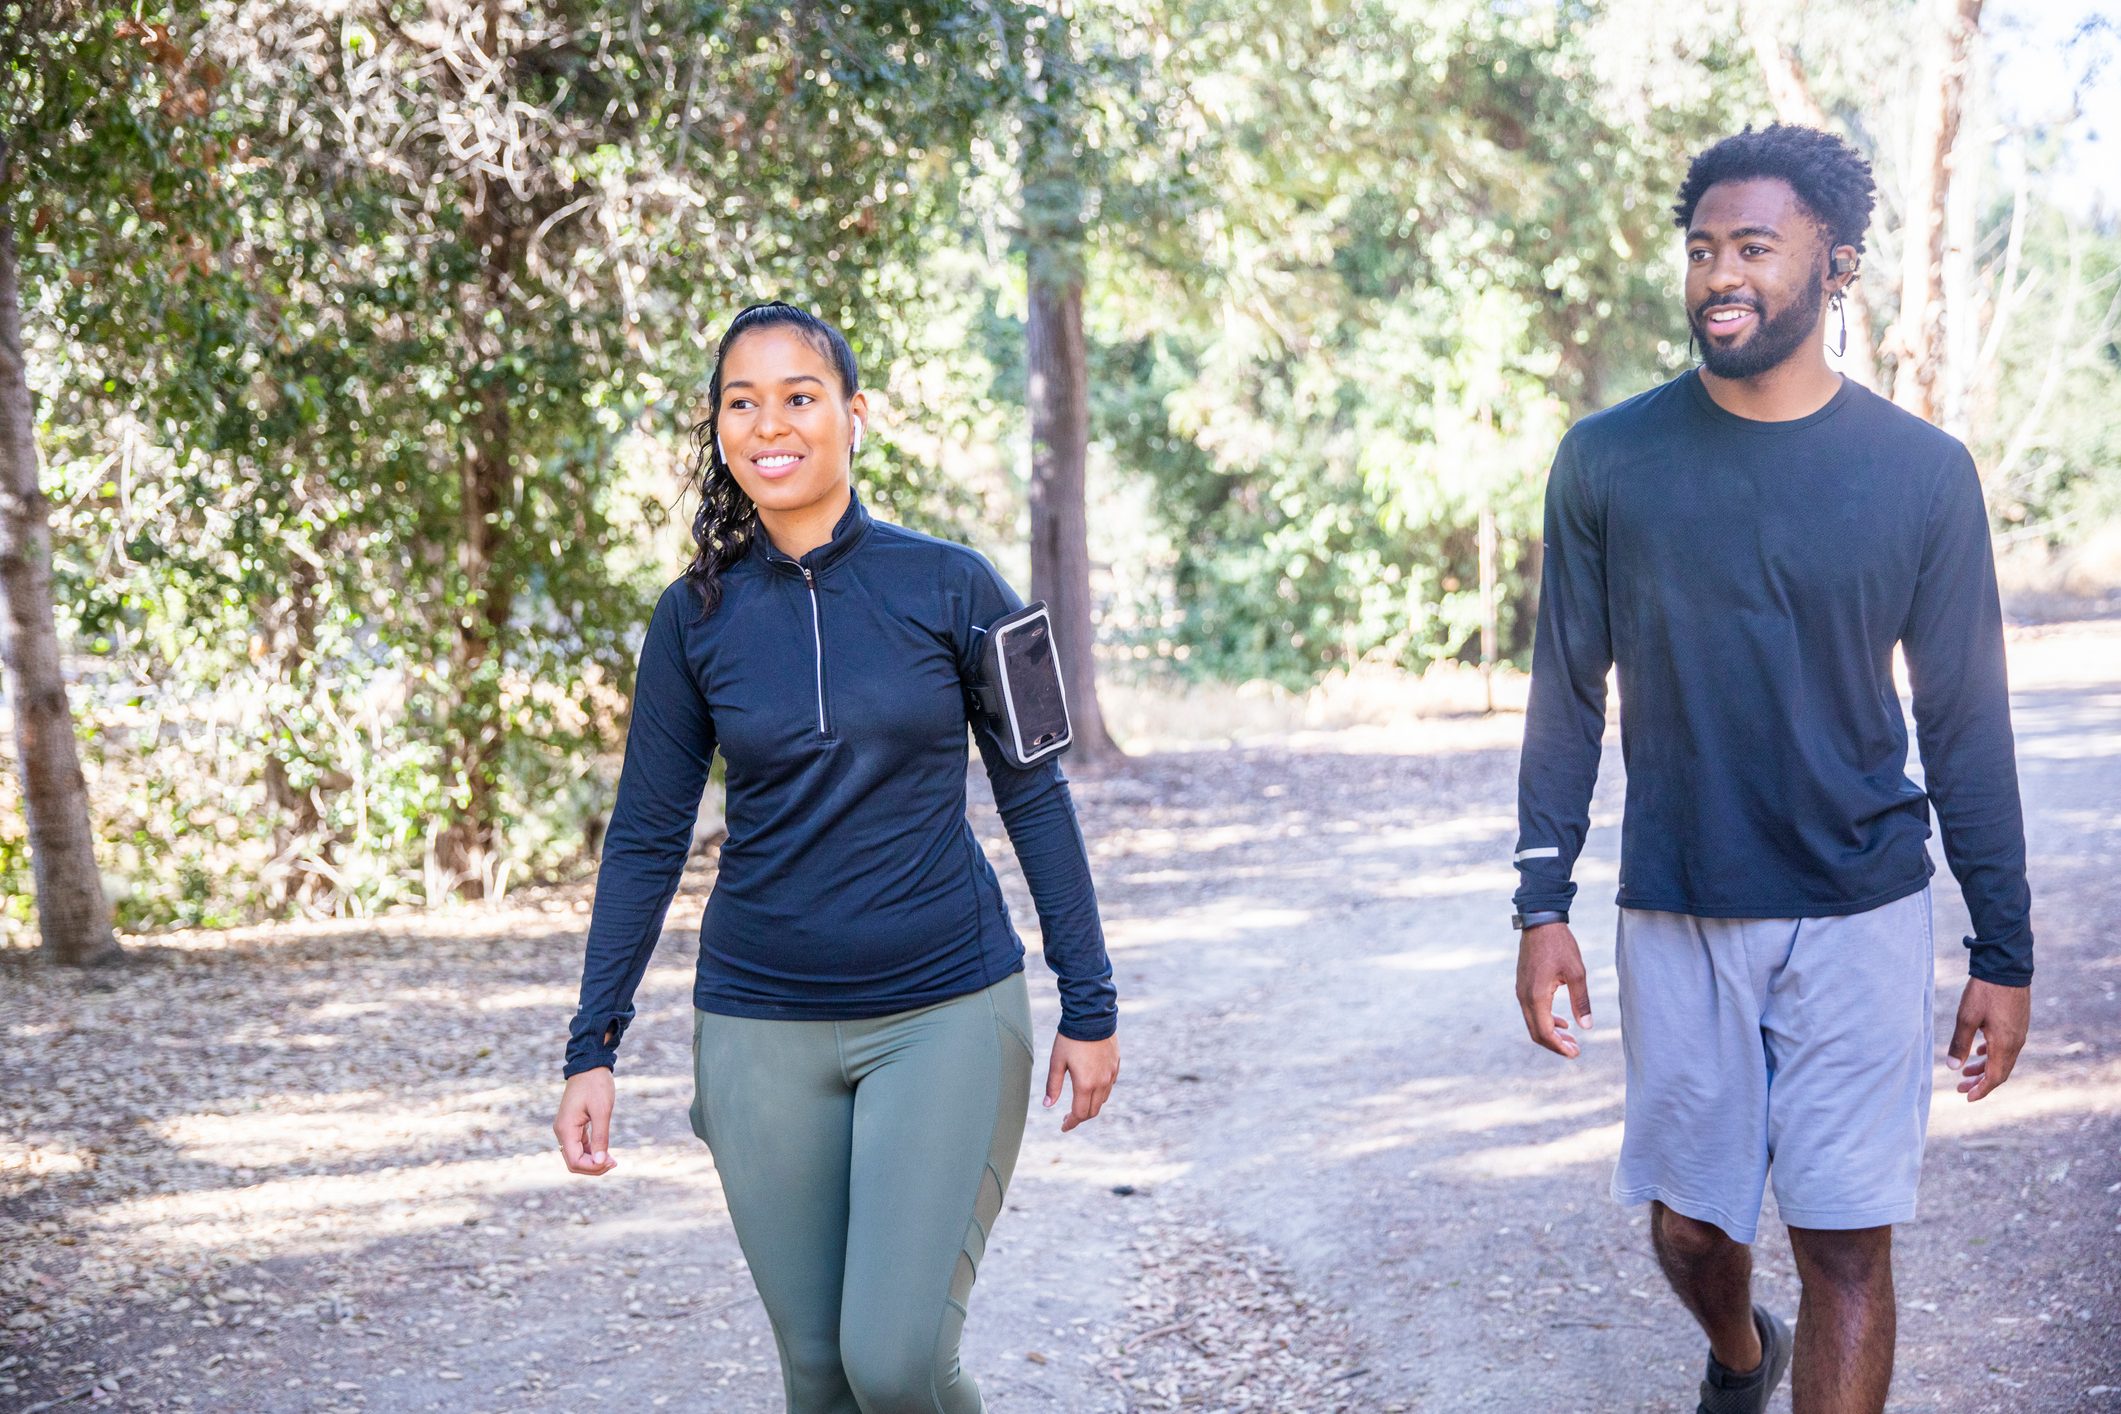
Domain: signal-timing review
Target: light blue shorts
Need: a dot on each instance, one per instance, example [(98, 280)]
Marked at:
[(1793, 1047)]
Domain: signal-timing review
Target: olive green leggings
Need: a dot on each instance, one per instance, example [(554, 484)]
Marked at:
[(864, 1163)]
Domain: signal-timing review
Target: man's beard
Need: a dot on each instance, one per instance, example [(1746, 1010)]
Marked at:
[(1773, 341)]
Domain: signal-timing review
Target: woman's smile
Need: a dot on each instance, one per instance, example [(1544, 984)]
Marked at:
[(776, 462)]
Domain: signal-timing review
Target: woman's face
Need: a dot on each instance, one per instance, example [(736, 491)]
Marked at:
[(786, 426)]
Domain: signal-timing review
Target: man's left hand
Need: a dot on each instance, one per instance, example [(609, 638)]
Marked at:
[(2002, 1016)]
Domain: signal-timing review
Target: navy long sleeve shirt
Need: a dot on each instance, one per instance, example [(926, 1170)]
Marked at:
[(1750, 581), (850, 883)]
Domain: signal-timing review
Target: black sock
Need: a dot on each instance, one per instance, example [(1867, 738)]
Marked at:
[(1724, 1378)]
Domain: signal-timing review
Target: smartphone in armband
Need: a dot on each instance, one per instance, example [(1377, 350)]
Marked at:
[(1017, 691)]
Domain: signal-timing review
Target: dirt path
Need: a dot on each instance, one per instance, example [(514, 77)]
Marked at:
[(308, 1168)]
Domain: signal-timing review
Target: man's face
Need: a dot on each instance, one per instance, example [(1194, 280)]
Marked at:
[(1755, 277)]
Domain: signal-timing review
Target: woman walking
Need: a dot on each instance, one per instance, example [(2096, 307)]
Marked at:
[(861, 1030)]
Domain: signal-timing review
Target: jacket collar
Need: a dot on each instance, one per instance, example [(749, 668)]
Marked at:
[(847, 533)]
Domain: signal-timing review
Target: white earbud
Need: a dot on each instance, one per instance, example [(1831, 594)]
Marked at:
[(720, 455), (857, 432)]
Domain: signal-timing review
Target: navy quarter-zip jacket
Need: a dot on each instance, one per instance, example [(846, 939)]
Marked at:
[(850, 883)]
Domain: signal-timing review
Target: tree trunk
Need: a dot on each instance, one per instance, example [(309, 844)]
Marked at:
[(73, 916), (1060, 523), (1059, 390), (290, 640), (1795, 103), (1488, 613), (1958, 287), (486, 491), (1920, 334), (1060, 547)]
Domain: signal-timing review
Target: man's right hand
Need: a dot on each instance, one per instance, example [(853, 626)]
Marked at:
[(584, 1123), (1547, 960)]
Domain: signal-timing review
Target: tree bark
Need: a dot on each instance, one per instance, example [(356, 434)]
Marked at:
[(487, 489), (1488, 612), (1920, 334), (1060, 523), (73, 916), (289, 629), (1058, 395), (1795, 103)]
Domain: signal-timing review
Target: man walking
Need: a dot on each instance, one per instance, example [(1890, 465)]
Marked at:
[(1747, 544)]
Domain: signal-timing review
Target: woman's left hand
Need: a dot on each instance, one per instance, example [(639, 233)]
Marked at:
[(1091, 1068)]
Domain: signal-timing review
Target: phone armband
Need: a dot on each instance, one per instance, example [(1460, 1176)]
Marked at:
[(1016, 690)]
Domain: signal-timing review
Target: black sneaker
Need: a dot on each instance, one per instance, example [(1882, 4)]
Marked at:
[(1725, 1393)]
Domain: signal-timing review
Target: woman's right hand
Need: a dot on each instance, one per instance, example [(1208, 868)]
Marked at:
[(584, 1123)]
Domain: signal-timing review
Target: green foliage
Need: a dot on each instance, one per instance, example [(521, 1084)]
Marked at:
[(2048, 443), (293, 268), (1437, 242), (270, 332)]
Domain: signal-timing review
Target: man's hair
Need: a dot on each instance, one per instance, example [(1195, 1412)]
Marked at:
[(1831, 179)]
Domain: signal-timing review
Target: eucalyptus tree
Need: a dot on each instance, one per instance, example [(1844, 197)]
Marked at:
[(1103, 178), (100, 168), (1057, 396), (1986, 294), (73, 916)]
